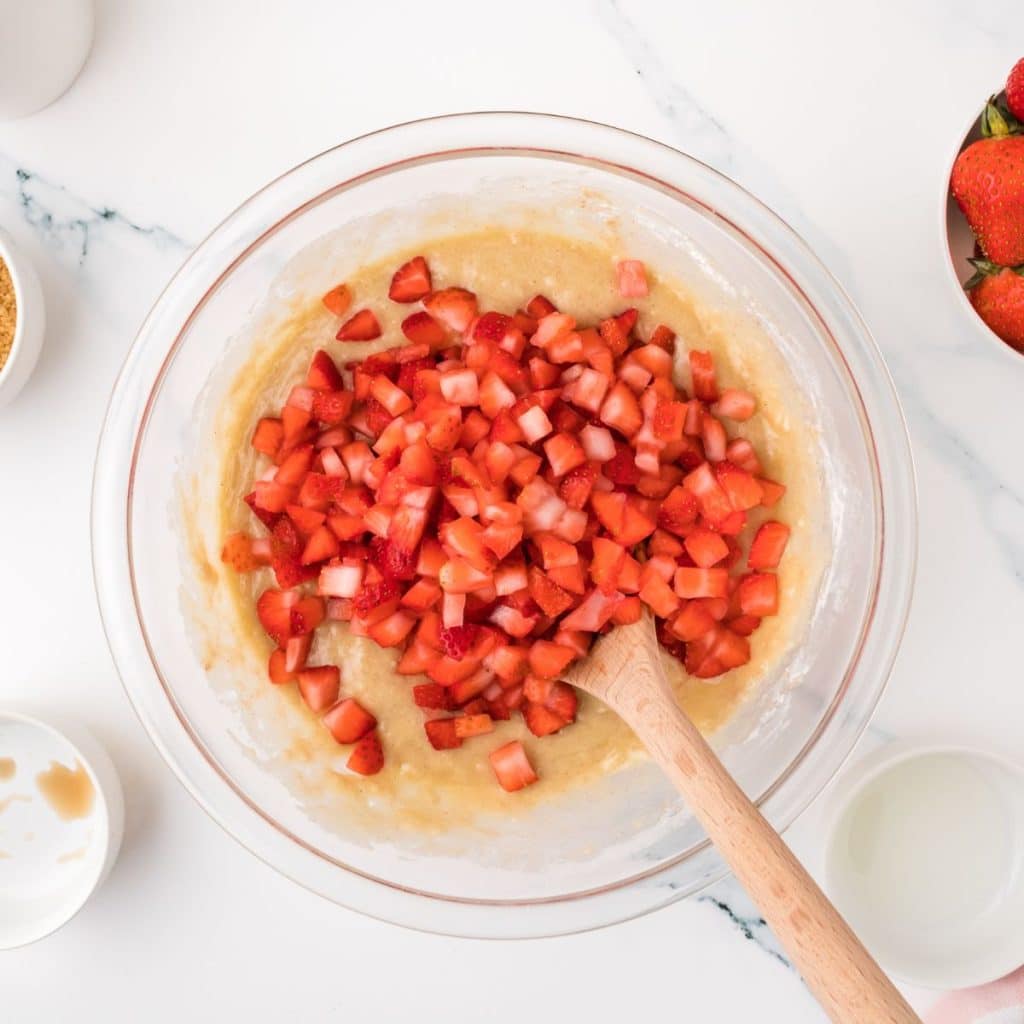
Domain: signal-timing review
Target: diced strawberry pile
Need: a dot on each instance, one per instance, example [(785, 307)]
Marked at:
[(490, 496)]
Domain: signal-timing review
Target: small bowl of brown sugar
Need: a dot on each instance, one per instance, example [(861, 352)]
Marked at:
[(22, 319)]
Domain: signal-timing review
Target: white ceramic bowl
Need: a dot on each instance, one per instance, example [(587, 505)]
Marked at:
[(924, 855), (52, 855), (30, 324), (957, 240)]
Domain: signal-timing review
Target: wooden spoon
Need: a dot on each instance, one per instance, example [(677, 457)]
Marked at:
[(624, 670)]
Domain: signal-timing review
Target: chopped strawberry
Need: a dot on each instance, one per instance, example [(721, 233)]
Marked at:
[(441, 733), (268, 436), (457, 641), (277, 668), (238, 553), (621, 411), (564, 453), (363, 326), (367, 757), (702, 373), (348, 721), (758, 594), (768, 545), (473, 725), (411, 281), (323, 375), (432, 696), (549, 660), (771, 492), (541, 720), (735, 404), (512, 767), (632, 278), (454, 307), (705, 547), (319, 686), (696, 582), (422, 329), (338, 299)]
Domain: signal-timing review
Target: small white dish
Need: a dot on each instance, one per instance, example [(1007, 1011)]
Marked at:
[(29, 324), (61, 823), (958, 243), (924, 856)]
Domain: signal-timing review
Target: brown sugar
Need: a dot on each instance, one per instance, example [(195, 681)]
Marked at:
[(8, 313)]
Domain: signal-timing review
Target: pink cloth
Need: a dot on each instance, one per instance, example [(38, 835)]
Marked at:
[(1000, 1002)]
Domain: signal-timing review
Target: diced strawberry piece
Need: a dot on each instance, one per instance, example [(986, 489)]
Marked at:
[(512, 767), (549, 660), (759, 594), (702, 373), (576, 486), (714, 438), (632, 278), (392, 630), (277, 668), (740, 452), (348, 721), (563, 453), (606, 565), (664, 337), (454, 307), (621, 411), (441, 733), (742, 489), (432, 696), (411, 281), (593, 612), (539, 306), (768, 545), (338, 299), (473, 725), (658, 595), (268, 436), (238, 553), (735, 404), (705, 547), (274, 610), (332, 407), (367, 757), (541, 720), (423, 594), (323, 374), (628, 610), (692, 622), (744, 625), (696, 582), (296, 652), (363, 326), (669, 419), (534, 423), (322, 545), (422, 329), (712, 499), (342, 580), (390, 395), (771, 492), (319, 686)]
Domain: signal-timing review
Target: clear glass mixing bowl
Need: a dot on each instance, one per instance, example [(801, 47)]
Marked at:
[(627, 845)]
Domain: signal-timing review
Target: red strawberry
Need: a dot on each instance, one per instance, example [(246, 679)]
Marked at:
[(411, 281), (455, 642), (512, 766), (367, 757), (997, 293), (988, 183), (1015, 90), (361, 327), (348, 721)]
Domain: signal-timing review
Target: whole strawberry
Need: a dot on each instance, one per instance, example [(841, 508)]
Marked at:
[(1015, 90), (997, 293), (988, 183)]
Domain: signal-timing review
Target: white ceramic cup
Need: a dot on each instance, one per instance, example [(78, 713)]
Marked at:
[(43, 45), (924, 855), (51, 863)]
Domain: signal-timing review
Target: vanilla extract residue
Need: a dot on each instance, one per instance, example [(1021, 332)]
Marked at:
[(69, 791), (8, 769)]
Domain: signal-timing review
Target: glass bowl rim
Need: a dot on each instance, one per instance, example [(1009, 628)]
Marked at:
[(108, 596)]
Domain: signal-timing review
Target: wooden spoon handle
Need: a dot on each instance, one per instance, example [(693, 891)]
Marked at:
[(840, 972)]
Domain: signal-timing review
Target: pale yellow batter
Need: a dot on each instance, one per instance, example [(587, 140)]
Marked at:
[(439, 789)]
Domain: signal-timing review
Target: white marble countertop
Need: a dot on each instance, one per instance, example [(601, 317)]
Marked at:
[(839, 116)]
